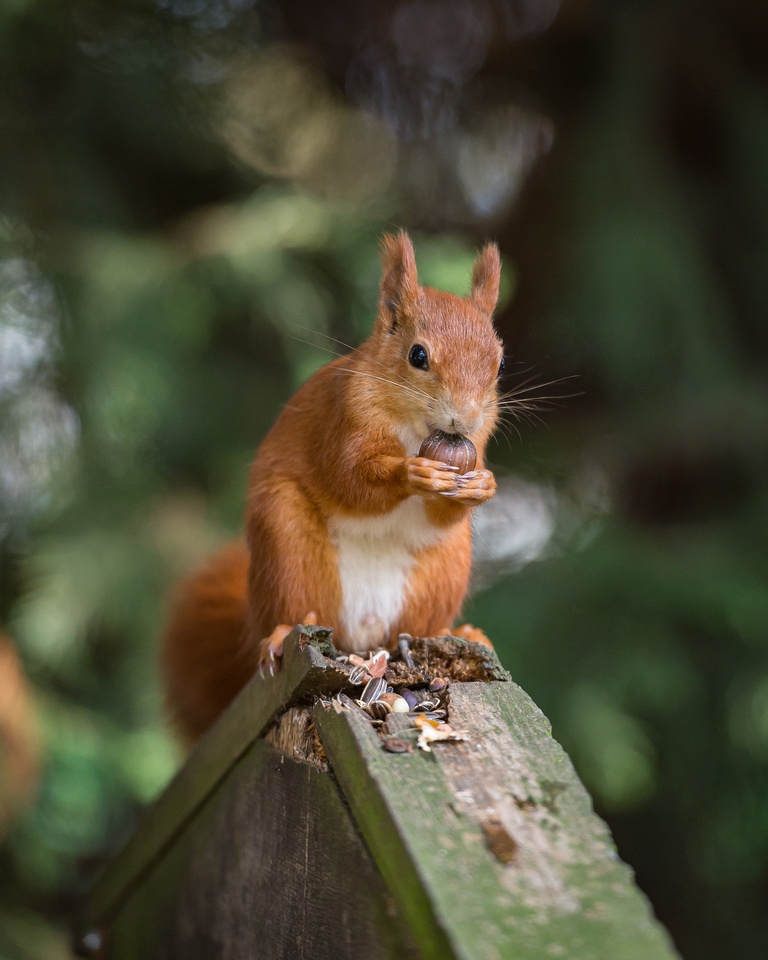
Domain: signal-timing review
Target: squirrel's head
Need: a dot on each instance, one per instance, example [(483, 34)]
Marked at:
[(439, 352)]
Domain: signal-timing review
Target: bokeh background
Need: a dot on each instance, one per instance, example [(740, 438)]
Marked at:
[(191, 193)]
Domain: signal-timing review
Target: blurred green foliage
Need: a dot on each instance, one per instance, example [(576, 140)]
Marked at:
[(190, 199)]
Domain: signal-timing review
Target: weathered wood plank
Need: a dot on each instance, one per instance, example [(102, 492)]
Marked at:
[(304, 672), (270, 866), (491, 848)]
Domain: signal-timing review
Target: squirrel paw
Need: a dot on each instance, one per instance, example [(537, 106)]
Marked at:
[(427, 477), (271, 647), (467, 632), (472, 488)]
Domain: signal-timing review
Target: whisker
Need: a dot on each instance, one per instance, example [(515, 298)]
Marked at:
[(516, 407), (409, 386), (514, 404), (522, 385), (534, 418), (400, 379), (491, 553), (317, 346), (525, 388), (535, 403), (525, 368), (506, 432), (414, 391), (326, 336), (507, 425), (526, 411)]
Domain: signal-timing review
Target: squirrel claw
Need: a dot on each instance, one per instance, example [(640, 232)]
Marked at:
[(271, 647), (472, 488), (271, 650)]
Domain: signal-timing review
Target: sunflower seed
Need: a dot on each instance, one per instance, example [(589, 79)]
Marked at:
[(434, 715), (358, 676), (379, 709), (374, 689), (423, 706)]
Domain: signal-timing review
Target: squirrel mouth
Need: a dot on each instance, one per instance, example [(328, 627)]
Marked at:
[(448, 430)]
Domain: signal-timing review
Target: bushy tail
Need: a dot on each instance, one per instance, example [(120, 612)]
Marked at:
[(204, 658)]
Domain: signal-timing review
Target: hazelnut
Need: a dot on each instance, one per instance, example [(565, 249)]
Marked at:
[(397, 703), (450, 448)]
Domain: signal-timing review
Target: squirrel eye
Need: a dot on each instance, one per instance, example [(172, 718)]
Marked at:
[(418, 358), (501, 367)]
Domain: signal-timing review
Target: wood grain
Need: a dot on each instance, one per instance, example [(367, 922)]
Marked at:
[(271, 867), (480, 850), (490, 847), (304, 673)]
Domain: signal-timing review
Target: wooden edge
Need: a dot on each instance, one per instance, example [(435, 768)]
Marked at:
[(490, 847), (304, 671), (341, 736), (463, 648)]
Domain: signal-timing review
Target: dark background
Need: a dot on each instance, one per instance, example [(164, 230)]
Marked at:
[(191, 193)]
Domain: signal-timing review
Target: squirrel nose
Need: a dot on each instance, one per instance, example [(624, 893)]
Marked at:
[(467, 419)]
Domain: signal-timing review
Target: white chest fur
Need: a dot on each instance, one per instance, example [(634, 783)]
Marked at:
[(376, 558)]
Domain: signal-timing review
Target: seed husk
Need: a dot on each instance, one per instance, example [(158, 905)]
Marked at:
[(358, 676), (410, 698), (379, 709), (424, 706), (374, 689)]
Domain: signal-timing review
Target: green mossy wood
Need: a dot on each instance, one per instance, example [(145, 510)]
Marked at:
[(483, 849)]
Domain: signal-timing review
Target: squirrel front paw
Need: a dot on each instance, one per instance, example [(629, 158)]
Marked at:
[(428, 478), (473, 488)]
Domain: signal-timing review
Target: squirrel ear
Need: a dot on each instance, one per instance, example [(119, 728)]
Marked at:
[(486, 274), (399, 280)]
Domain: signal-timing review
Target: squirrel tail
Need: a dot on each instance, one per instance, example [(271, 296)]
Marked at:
[(204, 659)]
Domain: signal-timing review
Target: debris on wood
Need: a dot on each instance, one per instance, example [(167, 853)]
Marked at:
[(413, 682), (293, 733), (499, 841), (397, 745), (431, 731)]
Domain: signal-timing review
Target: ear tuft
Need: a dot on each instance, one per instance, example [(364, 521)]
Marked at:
[(486, 274), (399, 279)]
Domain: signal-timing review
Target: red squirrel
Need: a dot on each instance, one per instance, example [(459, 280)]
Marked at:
[(346, 525)]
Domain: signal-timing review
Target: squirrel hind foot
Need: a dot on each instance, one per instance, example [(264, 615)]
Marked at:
[(467, 632), (271, 647)]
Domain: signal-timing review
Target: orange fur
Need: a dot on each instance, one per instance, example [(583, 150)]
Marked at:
[(331, 480), (204, 660)]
